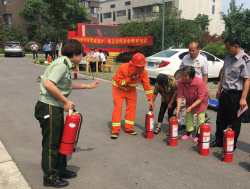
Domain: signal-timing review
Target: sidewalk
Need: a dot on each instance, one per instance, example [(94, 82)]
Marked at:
[(10, 176)]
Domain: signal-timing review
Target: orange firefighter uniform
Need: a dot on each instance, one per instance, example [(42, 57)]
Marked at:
[(125, 88)]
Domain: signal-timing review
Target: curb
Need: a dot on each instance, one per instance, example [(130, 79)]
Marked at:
[(10, 176)]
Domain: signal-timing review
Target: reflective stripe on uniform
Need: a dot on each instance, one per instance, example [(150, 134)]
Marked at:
[(129, 122), (116, 124), (149, 91), (115, 84), (123, 82), (132, 85)]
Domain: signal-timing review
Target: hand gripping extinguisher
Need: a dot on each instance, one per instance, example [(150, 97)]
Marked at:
[(173, 131), (71, 133), (228, 144), (204, 139), (149, 125), (75, 74)]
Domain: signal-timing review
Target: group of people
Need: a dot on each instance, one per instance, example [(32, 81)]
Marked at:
[(190, 90), (96, 55), (52, 49)]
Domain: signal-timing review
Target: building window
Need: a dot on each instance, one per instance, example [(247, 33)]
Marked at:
[(107, 15), (213, 9), (114, 16), (7, 19), (121, 13), (6, 2), (127, 3), (129, 14), (112, 6), (100, 18)]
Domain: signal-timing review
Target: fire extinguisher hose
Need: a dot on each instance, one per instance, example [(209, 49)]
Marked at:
[(79, 128)]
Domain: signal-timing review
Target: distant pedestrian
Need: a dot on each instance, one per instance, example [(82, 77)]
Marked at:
[(46, 49), (34, 47), (53, 50), (57, 49)]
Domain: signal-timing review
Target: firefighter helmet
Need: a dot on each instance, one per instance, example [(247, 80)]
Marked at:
[(138, 60)]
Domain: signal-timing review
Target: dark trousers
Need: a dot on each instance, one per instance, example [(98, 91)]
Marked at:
[(53, 163), (100, 63), (57, 53), (46, 54), (163, 109), (227, 115), (35, 53)]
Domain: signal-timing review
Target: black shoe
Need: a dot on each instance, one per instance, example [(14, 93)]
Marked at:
[(181, 127), (206, 116), (68, 175), (215, 144), (131, 132), (60, 183), (114, 135)]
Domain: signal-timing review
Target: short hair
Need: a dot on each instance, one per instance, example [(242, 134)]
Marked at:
[(100, 50), (162, 79), (233, 40), (198, 45), (71, 47), (189, 70), (92, 49), (95, 48)]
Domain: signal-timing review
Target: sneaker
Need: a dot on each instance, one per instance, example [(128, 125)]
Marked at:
[(185, 137), (114, 135), (131, 132), (196, 140)]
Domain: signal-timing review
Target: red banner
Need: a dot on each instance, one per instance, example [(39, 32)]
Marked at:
[(116, 41)]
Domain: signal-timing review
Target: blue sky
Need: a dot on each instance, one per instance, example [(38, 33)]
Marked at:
[(225, 4)]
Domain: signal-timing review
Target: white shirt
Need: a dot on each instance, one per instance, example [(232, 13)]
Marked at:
[(200, 64), (34, 47), (102, 57)]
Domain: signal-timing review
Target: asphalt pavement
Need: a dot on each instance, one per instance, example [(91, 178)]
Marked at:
[(128, 162)]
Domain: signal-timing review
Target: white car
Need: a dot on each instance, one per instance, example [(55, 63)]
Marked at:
[(168, 62)]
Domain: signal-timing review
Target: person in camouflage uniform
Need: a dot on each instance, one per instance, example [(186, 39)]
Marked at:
[(166, 85)]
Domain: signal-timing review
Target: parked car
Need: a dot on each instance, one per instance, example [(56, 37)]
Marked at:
[(14, 48), (168, 62)]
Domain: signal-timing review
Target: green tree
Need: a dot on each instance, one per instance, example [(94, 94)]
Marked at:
[(12, 33), (202, 21), (60, 16), (32, 11), (237, 21), (65, 14)]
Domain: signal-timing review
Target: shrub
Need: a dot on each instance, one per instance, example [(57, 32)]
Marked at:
[(217, 49), (125, 57), (1, 51)]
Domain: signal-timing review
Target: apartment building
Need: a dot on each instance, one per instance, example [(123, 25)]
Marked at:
[(92, 9), (8, 12), (112, 12)]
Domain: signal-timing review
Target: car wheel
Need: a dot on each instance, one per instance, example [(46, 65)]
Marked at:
[(5, 55), (176, 75)]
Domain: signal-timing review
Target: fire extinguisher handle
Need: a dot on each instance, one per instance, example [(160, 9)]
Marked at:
[(74, 110)]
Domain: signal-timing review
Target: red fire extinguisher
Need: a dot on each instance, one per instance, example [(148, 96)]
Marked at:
[(75, 74), (228, 144), (149, 125), (71, 133), (204, 139), (173, 131)]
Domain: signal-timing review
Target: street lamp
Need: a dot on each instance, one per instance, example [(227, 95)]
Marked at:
[(163, 10)]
